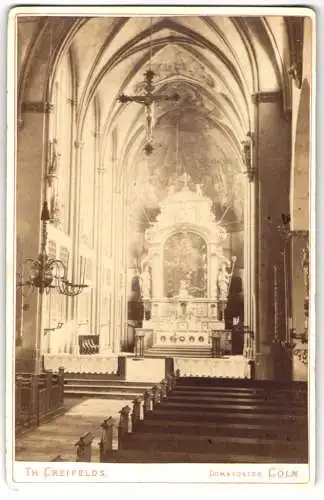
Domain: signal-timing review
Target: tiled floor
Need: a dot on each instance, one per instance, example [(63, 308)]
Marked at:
[(59, 436)]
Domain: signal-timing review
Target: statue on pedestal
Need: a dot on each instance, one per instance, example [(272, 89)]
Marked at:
[(183, 290), (223, 282), (146, 284)]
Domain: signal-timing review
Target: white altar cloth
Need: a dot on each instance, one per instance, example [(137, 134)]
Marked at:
[(81, 363), (226, 367)]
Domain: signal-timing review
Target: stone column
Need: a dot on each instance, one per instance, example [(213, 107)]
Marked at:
[(78, 149), (122, 215), (213, 269), (157, 274), (116, 273), (247, 256), (31, 160), (272, 150)]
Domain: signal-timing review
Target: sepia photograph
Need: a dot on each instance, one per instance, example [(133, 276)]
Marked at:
[(163, 273)]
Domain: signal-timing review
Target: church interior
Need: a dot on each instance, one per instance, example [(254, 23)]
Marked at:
[(162, 237)]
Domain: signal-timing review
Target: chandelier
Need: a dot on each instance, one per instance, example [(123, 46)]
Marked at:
[(45, 273)]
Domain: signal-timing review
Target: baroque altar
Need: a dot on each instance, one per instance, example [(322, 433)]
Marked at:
[(181, 278)]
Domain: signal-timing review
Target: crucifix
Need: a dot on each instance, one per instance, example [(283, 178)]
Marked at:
[(147, 99)]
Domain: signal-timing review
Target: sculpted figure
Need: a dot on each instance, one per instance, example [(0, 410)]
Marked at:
[(146, 283), (223, 282), (183, 290)]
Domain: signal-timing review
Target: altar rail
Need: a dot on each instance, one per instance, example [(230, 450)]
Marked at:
[(37, 398)]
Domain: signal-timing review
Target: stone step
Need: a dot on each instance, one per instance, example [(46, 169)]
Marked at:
[(188, 348), (176, 354), (101, 394), (179, 351), (276, 431), (111, 378), (160, 456), (179, 347), (102, 386), (103, 380), (219, 444)]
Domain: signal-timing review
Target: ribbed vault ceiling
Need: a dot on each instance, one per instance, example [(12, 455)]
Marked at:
[(215, 64)]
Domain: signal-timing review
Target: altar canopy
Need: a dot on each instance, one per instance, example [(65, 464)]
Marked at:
[(185, 265)]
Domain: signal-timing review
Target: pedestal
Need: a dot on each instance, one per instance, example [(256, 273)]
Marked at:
[(139, 343), (221, 342)]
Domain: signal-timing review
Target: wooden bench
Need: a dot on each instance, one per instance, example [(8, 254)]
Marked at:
[(37, 398)]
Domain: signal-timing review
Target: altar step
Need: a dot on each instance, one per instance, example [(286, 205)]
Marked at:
[(103, 387), (179, 352)]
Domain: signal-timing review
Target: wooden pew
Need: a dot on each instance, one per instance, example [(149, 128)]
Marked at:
[(142, 407), (37, 398), (84, 447), (106, 444)]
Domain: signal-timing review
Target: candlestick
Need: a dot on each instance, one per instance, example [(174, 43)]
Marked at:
[(290, 328), (67, 264), (275, 298), (80, 270), (84, 268)]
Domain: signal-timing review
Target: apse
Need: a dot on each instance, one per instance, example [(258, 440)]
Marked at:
[(186, 138)]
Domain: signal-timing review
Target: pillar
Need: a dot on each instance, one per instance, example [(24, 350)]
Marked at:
[(31, 160), (272, 150), (157, 273), (247, 256), (75, 217), (213, 269)]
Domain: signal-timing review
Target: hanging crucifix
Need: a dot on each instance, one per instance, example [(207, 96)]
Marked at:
[(148, 99)]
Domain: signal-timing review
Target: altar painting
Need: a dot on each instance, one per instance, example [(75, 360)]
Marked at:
[(185, 265)]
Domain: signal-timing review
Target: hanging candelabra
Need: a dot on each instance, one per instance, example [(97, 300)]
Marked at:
[(275, 304), (287, 343), (45, 273)]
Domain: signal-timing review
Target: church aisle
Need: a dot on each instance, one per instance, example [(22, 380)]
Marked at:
[(58, 437)]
